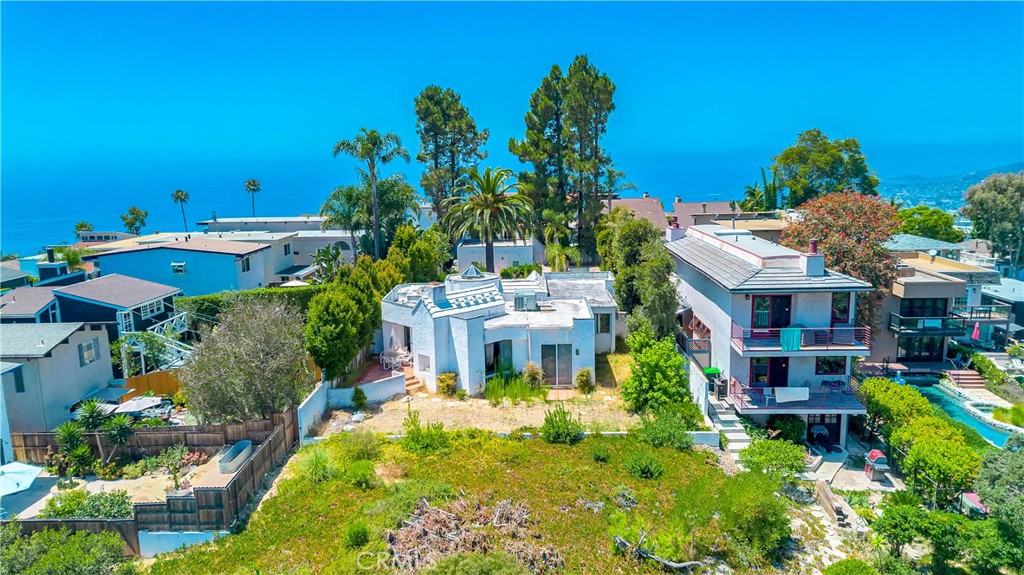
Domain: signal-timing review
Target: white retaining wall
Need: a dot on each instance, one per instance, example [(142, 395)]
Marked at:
[(376, 392), (312, 409), (153, 543)]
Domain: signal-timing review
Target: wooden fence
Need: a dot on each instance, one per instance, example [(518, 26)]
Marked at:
[(126, 528), (159, 382)]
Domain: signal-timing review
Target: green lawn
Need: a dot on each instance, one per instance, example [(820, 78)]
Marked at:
[(302, 528)]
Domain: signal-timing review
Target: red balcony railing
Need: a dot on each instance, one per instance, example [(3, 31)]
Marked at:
[(800, 338), (830, 394)]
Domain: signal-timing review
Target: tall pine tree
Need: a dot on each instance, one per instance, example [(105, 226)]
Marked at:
[(450, 142)]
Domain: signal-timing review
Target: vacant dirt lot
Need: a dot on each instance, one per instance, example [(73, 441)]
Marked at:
[(603, 410)]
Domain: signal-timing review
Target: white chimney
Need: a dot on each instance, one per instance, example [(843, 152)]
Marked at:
[(673, 232), (812, 263)]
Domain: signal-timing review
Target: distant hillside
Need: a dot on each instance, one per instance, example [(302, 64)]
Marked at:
[(944, 192)]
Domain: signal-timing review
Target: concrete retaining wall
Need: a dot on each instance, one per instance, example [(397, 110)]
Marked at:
[(376, 391), (311, 411), (153, 543)]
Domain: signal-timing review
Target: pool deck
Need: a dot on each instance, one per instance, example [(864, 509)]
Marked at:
[(984, 396)]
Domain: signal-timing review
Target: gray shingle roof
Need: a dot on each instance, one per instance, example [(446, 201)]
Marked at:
[(25, 301), (737, 275), (8, 274), (912, 243), (33, 339), (118, 290)]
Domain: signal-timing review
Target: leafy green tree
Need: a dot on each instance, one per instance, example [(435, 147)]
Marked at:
[(941, 467), (449, 142), (891, 405), (92, 417), (376, 150), (252, 187), (776, 457), (1000, 483), (851, 230), (72, 256), (342, 209), (428, 255), (51, 551), (900, 525), (252, 364), (850, 567), (329, 259), (659, 300), (996, 208), (331, 331), (658, 377), (929, 223), (993, 546), (180, 197), (140, 352), (134, 220), (929, 426), (82, 226), (948, 533), (545, 148), (588, 95), (560, 256), (487, 206), (815, 166), (120, 431)]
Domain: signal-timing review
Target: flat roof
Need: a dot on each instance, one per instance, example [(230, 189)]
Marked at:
[(476, 299), (1007, 289), (25, 301), (747, 241), (34, 339), (970, 274), (269, 219), (196, 244), (553, 314), (503, 243), (591, 289), (238, 236), (912, 243), (118, 290), (754, 224)]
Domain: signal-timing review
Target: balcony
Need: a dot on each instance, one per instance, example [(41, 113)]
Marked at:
[(830, 396), (696, 348), (797, 340), (999, 313), (952, 324)]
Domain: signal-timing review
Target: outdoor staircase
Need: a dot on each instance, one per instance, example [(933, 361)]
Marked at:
[(724, 418), (412, 385), (966, 378)]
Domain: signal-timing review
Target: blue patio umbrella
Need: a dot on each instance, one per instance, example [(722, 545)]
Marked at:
[(16, 476)]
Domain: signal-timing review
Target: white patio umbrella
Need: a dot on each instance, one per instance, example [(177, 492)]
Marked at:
[(137, 404), (17, 476)]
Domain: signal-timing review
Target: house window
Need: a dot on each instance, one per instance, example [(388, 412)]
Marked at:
[(245, 265), (840, 307), (88, 352), (177, 268), (604, 323), (151, 309), (759, 371), (830, 365), (19, 381), (923, 307), (287, 249)]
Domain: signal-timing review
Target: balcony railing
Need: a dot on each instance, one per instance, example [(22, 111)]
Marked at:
[(829, 395), (998, 312), (952, 324), (798, 338), (692, 345)]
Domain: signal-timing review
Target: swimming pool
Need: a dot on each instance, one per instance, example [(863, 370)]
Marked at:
[(955, 409)]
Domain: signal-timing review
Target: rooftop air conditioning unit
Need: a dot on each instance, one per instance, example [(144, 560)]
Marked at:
[(525, 301)]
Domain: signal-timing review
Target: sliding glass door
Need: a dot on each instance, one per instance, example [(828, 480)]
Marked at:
[(556, 361)]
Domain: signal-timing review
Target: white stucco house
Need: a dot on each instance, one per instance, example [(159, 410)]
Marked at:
[(475, 324), (507, 253)]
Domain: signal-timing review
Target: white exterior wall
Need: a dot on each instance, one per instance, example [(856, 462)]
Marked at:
[(467, 337), (504, 255), (712, 304), (304, 248), (6, 449), (604, 342)]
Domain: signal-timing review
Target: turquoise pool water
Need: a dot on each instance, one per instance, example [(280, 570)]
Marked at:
[(955, 410)]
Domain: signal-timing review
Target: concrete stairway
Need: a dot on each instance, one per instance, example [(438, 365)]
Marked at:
[(724, 417), (966, 378), (412, 385)]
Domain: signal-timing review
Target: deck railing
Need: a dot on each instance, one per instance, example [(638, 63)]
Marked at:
[(834, 393), (997, 312), (796, 338), (952, 324)]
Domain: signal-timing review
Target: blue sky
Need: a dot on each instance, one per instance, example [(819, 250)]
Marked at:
[(109, 105)]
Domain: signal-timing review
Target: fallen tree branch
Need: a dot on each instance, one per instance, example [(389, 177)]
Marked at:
[(642, 553)]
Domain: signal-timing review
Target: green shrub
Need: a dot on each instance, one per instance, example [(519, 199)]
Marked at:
[(520, 271), (357, 535), (108, 472), (643, 465), (775, 457), (358, 398), (657, 376), (561, 427), (318, 466), (179, 399), (584, 381), (850, 567), (533, 375), (667, 426), (1016, 350), (752, 513), (362, 444), (789, 427), (429, 438), (460, 394), (514, 388), (133, 470), (599, 452), (477, 564), (446, 385), (79, 504), (81, 459), (211, 305), (361, 474), (51, 551), (1012, 415)]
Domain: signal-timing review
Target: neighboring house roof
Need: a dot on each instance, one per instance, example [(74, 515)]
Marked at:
[(6, 366), (591, 289), (267, 219), (1007, 290), (118, 290), (300, 270), (497, 243), (552, 314), (10, 274), (226, 247), (737, 275), (477, 299), (650, 209), (683, 211), (912, 243), (34, 339), (25, 301), (979, 246)]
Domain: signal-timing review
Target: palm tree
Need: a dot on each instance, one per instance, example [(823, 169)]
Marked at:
[(376, 150), (560, 256), (119, 432), (92, 417), (556, 226), (613, 184), (252, 187), (484, 203), (180, 197), (72, 256), (342, 209)]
